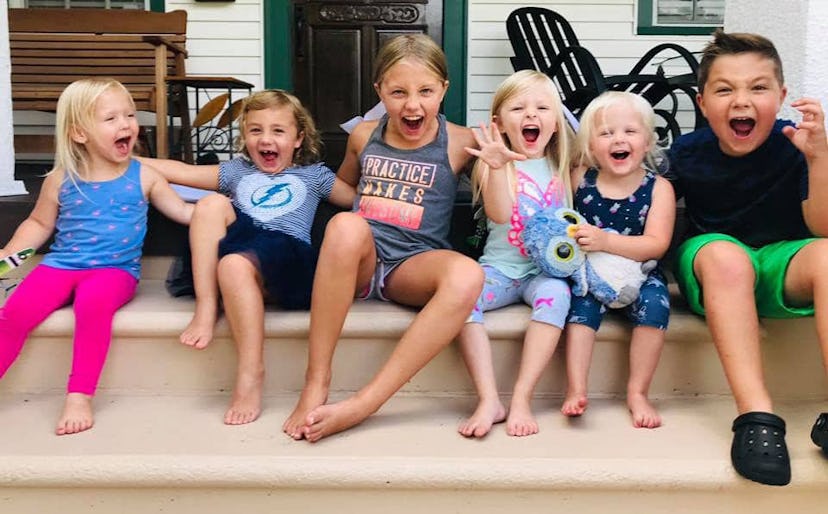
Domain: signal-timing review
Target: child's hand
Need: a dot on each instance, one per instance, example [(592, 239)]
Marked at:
[(493, 150), (591, 238), (809, 134)]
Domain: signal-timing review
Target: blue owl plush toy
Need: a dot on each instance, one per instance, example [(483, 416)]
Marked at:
[(549, 240)]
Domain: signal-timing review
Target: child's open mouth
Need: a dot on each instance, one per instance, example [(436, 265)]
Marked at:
[(531, 134), (268, 156), (742, 127), (620, 156), (122, 144), (413, 124)]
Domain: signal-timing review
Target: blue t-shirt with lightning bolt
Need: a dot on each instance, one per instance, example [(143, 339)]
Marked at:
[(284, 201)]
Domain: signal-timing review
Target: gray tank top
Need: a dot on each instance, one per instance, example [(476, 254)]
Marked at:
[(407, 196)]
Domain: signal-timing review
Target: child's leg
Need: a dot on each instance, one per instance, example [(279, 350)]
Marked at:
[(582, 323), (549, 299), (498, 291), (44, 290), (645, 350), (580, 340), (447, 284), (211, 217), (806, 282), (98, 296), (477, 354), (727, 279), (347, 261), (241, 290)]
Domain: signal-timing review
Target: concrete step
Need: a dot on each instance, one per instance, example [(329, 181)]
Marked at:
[(170, 453), (159, 444)]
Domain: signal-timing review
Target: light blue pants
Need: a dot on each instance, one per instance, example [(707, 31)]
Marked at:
[(548, 297)]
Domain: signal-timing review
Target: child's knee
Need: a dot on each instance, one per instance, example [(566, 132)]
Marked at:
[(346, 233), (724, 262)]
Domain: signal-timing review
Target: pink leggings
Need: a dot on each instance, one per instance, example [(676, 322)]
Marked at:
[(98, 294)]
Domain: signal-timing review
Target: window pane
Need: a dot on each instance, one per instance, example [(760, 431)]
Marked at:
[(689, 12)]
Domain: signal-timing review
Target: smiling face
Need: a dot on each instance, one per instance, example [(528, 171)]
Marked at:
[(411, 93), (620, 140), (529, 120), (271, 138), (113, 129), (741, 98)]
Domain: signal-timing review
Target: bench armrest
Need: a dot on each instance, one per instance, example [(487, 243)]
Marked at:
[(160, 40)]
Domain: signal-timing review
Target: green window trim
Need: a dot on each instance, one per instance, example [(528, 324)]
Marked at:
[(157, 5), (278, 72), (646, 27)]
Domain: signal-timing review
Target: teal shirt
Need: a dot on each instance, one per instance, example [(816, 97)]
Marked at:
[(538, 187)]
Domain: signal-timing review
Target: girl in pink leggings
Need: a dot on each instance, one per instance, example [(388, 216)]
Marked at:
[(95, 198)]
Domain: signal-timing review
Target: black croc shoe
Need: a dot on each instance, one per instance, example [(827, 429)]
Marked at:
[(819, 434), (759, 452)]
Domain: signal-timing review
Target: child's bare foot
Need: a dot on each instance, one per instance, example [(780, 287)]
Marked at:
[(327, 420), (77, 414), (521, 422), (246, 404), (199, 333), (574, 405), (312, 397), (644, 415), (485, 415)]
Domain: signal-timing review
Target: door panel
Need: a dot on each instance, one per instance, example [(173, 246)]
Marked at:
[(335, 45)]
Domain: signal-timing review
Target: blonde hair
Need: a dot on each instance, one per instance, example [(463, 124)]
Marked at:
[(559, 150), (76, 111), (311, 149), (592, 118), (419, 47)]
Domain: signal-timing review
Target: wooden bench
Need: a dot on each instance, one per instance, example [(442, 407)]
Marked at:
[(50, 48)]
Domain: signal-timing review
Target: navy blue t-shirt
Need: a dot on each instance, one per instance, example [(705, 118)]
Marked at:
[(756, 198)]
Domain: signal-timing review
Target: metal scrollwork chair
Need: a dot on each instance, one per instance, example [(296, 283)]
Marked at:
[(544, 40)]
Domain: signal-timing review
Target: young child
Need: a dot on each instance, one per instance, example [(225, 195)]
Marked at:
[(394, 245), (528, 126), (756, 193), (617, 188), (254, 243), (95, 196)]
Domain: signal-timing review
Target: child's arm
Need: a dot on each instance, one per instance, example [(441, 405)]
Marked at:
[(349, 171), (652, 244), (163, 198), (809, 136), (342, 194), (36, 229), (204, 176), (498, 198)]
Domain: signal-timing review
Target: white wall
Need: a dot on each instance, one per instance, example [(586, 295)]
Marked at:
[(8, 186), (225, 38), (605, 27), (798, 31)]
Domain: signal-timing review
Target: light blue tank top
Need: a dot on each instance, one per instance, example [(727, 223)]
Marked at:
[(101, 224), (537, 189)]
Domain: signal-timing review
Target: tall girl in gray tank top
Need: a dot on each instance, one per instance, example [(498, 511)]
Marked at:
[(407, 196)]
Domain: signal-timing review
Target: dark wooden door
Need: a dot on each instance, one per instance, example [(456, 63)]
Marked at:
[(335, 42)]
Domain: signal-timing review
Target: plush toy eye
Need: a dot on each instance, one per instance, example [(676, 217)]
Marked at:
[(570, 218), (564, 251)]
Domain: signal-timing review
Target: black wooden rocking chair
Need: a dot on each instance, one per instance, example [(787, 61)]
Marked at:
[(544, 40)]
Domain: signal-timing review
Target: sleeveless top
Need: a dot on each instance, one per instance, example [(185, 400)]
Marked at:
[(284, 202), (101, 224), (626, 216), (407, 196), (537, 188)]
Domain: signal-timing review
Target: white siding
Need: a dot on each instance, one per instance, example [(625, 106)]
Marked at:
[(605, 27), (224, 39)]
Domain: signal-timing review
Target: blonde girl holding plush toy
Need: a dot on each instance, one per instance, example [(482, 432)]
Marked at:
[(96, 198), (617, 188), (523, 167)]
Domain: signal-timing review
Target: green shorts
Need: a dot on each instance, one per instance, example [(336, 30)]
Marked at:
[(770, 264)]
